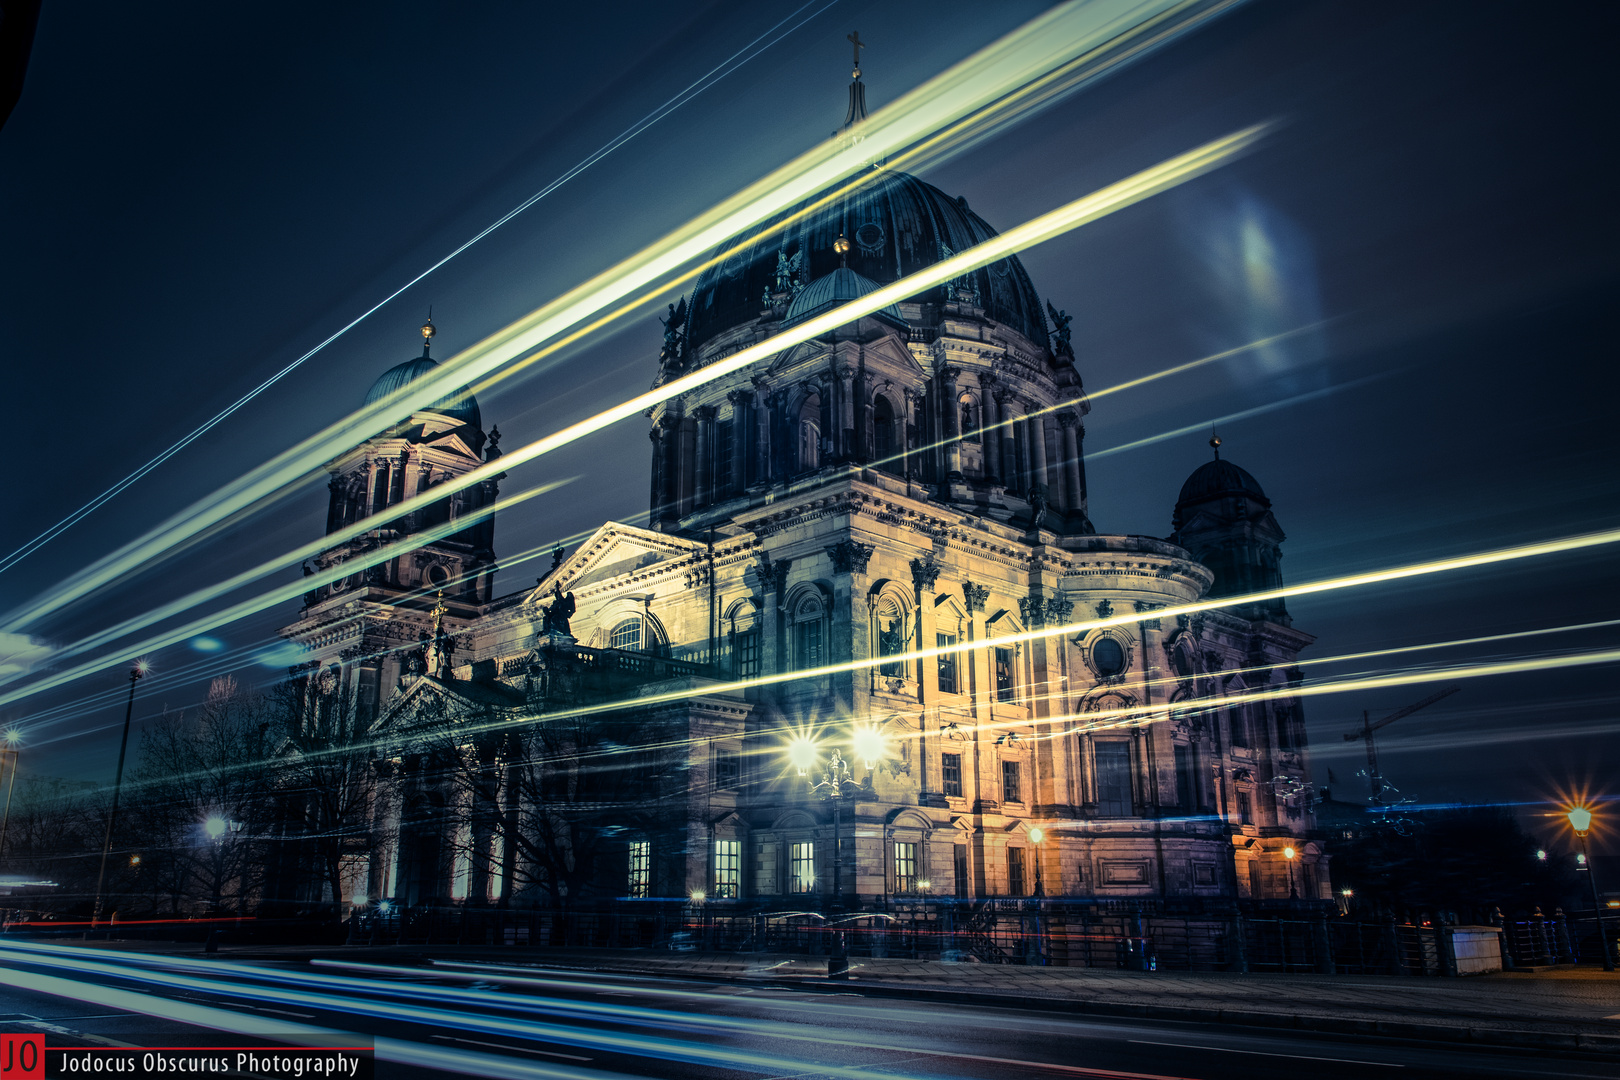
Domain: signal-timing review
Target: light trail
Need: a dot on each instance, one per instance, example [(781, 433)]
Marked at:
[(280, 595), (1055, 223), (980, 85), (710, 78), (344, 1000), (1242, 414), (1129, 384)]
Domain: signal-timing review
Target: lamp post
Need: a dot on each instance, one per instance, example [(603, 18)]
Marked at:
[(12, 738), (1290, 854), (1036, 835), (136, 673), (835, 784), (1580, 819)]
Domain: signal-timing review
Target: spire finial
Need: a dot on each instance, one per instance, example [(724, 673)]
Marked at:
[(857, 90), (1215, 444), (428, 331), (841, 245)]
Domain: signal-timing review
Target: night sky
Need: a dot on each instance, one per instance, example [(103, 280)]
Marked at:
[(193, 196)]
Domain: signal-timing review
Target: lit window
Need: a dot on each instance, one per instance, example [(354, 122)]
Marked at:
[(947, 664), (951, 773), (640, 868), (727, 869), (905, 867), (626, 635), (1005, 688), (802, 868)]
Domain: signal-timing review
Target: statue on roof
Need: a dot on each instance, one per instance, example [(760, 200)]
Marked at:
[(555, 615), (1060, 325), (674, 350)]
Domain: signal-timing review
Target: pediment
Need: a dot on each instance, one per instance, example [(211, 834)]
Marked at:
[(427, 698), (613, 551)]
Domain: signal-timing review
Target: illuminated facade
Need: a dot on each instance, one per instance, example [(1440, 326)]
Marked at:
[(914, 480)]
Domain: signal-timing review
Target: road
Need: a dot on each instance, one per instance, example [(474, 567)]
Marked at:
[(528, 1022)]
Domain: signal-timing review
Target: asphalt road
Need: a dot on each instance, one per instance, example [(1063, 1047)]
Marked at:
[(530, 1023)]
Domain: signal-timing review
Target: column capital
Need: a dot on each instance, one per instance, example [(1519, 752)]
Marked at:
[(1067, 419), (974, 596), (704, 412), (924, 572)]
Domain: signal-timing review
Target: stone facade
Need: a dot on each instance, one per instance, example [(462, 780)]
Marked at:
[(913, 483)]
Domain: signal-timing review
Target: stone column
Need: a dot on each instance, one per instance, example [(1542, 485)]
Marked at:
[(685, 474), (741, 403), (903, 435), (655, 501), (762, 433), (924, 572), (1068, 422), (703, 489), (1006, 445), (991, 437), (846, 447), (951, 429), (1037, 444), (773, 574), (1020, 455)]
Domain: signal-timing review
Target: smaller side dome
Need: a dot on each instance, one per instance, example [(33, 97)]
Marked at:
[(830, 290), (1217, 478), (459, 406)]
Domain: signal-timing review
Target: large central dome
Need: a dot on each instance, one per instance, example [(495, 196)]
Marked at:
[(896, 225)]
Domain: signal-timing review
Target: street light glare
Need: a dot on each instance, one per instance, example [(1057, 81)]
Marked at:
[(802, 754), (1289, 852), (1580, 818), (1036, 835), (13, 736), (214, 827), (359, 899), (870, 745)]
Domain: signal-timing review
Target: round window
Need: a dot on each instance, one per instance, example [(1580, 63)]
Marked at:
[(1108, 657), (437, 575)]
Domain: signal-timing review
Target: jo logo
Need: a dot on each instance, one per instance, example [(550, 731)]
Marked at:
[(22, 1057)]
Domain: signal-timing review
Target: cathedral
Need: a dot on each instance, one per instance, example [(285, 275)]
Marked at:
[(706, 708)]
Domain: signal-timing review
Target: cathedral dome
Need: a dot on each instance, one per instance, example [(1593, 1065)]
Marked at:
[(896, 225), (839, 287), (1213, 479), (460, 406)]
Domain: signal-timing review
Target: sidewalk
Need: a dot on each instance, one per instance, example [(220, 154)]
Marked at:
[(1563, 1010)]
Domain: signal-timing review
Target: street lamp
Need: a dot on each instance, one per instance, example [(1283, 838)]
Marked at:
[(1580, 819), (12, 738), (1036, 835), (136, 674), (833, 783), (1290, 854)]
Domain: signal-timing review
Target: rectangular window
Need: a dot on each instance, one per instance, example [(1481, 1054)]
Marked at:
[(746, 648), (1245, 808), (727, 869), (1185, 785), (947, 664), (1005, 690), (950, 771), (1113, 777), (727, 769), (640, 868), (1239, 725), (802, 868), (960, 865), (905, 867), (1015, 871), (1012, 788)]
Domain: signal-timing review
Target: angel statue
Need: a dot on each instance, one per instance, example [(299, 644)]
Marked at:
[(1060, 323), (555, 615), (674, 340)]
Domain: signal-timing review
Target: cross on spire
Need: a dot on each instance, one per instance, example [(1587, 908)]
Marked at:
[(855, 39)]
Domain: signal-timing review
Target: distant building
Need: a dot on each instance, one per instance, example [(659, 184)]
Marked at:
[(913, 480)]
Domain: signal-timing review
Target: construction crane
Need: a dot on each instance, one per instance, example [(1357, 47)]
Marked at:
[(1375, 778)]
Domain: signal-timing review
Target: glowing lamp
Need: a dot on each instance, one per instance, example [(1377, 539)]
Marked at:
[(13, 737), (1036, 835), (214, 827), (925, 884), (698, 896), (1289, 853), (359, 899), (802, 753), (384, 906), (134, 860), (1581, 819), (869, 746), (1541, 854), (1580, 860), (1346, 892)]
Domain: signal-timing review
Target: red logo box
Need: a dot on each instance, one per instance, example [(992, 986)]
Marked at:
[(22, 1057)]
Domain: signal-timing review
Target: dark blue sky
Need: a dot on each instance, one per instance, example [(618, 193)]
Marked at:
[(193, 196)]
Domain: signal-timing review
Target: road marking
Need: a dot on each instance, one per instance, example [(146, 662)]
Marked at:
[(283, 1012), (519, 1049), (1264, 1053)]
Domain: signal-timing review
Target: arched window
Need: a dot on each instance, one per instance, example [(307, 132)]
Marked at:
[(810, 433), (970, 418), (891, 636), (627, 635), (809, 631), (743, 631), (883, 441)]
